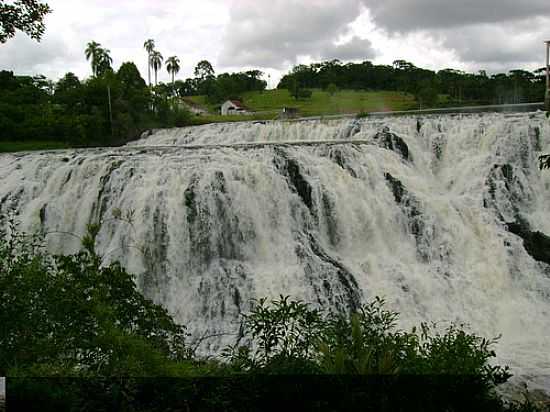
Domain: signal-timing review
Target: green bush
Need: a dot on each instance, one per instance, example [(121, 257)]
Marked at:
[(285, 337), (70, 315)]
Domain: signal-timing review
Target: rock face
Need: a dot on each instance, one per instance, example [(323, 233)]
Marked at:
[(391, 141), (410, 209), (537, 244)]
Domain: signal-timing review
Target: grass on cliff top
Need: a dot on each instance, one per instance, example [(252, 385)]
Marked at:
[(321, 102)]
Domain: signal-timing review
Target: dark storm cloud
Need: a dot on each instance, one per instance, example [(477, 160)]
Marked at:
[(494, 34), (410, 15), (355, 49), (275, 33), (497, 46)]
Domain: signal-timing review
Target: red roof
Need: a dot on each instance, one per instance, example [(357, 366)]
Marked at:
[(238, 104)]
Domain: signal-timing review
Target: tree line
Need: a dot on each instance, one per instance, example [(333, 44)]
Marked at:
[(112, 106), (219, 88), (516, 86)]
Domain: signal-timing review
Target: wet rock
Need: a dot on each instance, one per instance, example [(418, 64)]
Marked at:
[(303, 188), (42, 214), (345, 277), (411, 208), (350, 130), (339, 158), (329, 211), (391, 141), (534, 135), (104, 194), (298, 184), (396, 186), (146, 134), (536, 243), (505, 191), (438, 146)]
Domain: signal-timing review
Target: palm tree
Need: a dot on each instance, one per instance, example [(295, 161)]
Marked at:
[(93, 53), (156, 62), (173, 66), (149, 46), (105, 61)]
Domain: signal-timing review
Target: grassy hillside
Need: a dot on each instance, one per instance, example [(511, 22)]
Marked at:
[(322, 103)]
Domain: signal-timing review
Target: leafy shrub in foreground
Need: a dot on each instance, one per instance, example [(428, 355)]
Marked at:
[(285, 337), (68, 315)]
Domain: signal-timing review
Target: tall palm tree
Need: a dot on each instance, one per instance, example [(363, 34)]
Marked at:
[(156, 62), (173, 66), (93, 53), (105, 61), (149, 46)]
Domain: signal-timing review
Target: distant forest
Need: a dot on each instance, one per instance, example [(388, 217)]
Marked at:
[(516, 86)]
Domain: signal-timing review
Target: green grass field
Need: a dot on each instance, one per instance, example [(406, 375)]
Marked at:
[(321, 102), (6, 147)]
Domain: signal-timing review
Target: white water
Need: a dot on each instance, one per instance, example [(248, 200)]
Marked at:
[(216, 227)]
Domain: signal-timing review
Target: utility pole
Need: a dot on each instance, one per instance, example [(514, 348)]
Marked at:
[(547, 94)]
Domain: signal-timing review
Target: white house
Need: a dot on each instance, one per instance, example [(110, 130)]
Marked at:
[(231, 107)]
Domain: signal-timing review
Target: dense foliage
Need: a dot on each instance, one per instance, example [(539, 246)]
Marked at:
[(78, 112), (285, 333), (69, 316), (518, 86), (219, 88)]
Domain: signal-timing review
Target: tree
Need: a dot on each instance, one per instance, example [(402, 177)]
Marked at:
[(68, 91), (332, 89), (297, 91), (427, 95), (149, 46), (204, 70), (129, 77), (105, 61), (173, 67), (93, 53), (24, 15), (156, 63)]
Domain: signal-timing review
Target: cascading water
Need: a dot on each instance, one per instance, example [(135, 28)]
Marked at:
[(437, 214)]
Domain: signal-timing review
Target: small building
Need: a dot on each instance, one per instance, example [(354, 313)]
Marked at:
[(289, 113), (233, 107)]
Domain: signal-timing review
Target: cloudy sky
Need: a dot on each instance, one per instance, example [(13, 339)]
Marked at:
[(273, 35)]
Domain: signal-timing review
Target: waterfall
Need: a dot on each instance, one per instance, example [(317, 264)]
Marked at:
[(443, 216)]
